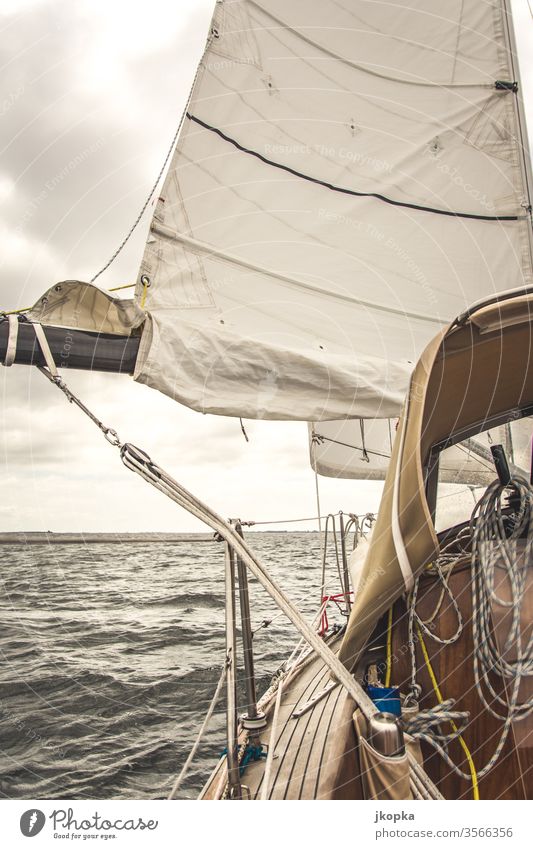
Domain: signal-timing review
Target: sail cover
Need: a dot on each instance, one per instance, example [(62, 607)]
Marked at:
[(348, 178)]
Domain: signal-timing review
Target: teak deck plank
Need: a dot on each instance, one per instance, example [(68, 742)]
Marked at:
[(309, 750)]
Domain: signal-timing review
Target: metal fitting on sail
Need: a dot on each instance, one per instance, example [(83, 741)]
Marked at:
[(145, 283), (506, 85)]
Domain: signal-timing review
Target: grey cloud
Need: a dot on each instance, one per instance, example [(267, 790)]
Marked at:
[(76, 154), (40, 427)]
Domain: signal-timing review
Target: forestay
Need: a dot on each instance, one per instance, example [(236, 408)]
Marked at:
[(347, 179)]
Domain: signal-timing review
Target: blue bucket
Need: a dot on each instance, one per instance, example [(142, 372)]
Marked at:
[(386, 699)]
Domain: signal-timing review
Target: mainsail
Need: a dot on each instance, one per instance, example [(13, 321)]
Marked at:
[(348, 177)]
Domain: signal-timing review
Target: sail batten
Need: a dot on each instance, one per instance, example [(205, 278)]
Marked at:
[(351, 191)]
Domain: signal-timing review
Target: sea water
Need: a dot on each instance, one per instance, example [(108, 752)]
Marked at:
[(111, 653)]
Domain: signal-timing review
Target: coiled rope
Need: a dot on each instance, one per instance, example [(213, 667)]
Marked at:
[(499, 580), (427, 721)]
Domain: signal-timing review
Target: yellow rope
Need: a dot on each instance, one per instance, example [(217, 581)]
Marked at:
[(143, 297), (389, 649), (14, 312), (466, 750)]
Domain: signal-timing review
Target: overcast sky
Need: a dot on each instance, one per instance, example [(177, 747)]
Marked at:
[(102, 84)]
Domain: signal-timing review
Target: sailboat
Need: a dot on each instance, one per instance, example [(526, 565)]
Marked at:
[(344, 237)]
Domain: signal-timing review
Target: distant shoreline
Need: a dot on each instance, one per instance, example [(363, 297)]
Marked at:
[(51, 538), (65, 538)]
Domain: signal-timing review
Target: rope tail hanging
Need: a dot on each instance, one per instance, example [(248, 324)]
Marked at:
[(244, 430), (203, 728), (364, 456)]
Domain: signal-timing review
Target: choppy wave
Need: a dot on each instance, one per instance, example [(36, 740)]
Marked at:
[(110, 656)]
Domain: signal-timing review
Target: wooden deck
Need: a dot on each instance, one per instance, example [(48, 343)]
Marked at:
[(315, 753)]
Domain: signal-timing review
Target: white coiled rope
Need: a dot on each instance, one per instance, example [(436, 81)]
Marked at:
[(499, 580), (497, 567)]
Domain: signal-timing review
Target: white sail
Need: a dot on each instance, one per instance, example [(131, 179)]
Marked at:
[(348, 178), (361, 449), (352, 448)]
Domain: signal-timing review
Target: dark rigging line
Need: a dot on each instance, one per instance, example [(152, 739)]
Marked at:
[(320, 437)]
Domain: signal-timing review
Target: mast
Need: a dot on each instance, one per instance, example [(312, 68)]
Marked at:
[(523, 140)]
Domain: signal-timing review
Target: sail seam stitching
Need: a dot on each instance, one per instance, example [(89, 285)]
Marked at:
[(345, 60)]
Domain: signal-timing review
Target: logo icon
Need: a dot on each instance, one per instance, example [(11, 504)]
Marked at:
[(32, 822)]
